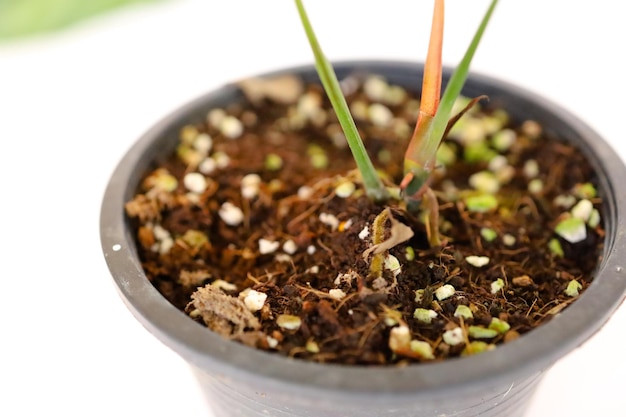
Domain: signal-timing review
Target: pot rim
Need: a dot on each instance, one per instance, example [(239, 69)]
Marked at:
[(530, 354)]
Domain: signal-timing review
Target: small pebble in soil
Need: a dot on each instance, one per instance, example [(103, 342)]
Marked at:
[(535, 186), (477, 346), (424, 315), (272, 343), (479, 332), (499, 326), (555, 247), (485, 181), (290, 247), (531, 169), (585, 190), (508, 239), (505, 174), (329, 220), (481, 203), (375, 88), (289, 322), (399, 338), (573, 287), (488, 234), (445, 291), (267, 246), (283, 257), (345, 189), (497, 163), (582, 210), (224, 285), (215, 117), (319, 160), (359, 109), (565, 201), (497, 286), (393, 264), (454, 336), (254, 300), (344, 225), (222, 160), (477, 261), (203, 143), (231, 127), (463, 311), (207, 166), (311, 346), (162, 180), (523, 281), (422, 349), (250, 186), (336, 294), (305, 192), (531, 128), (231, 214), (315, 269), (572, 229), (504, 139), (164, 240), (594, 219), (273, 162), (380, 115), (195, 182)]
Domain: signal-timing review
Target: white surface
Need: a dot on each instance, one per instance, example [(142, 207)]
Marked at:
[(72, 103)]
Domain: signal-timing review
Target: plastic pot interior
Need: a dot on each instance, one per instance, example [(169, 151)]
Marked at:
[(230, 362)]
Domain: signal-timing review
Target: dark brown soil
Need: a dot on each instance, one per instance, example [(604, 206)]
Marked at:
[(325, 301)]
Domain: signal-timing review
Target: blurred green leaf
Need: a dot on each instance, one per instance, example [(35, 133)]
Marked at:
[(27, 17)]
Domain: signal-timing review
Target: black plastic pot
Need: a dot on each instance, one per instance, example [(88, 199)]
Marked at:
[(241, 381)]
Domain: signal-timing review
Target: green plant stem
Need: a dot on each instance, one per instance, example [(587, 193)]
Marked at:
[(371, 180)]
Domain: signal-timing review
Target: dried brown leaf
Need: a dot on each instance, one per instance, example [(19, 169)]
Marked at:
[(399, 233)]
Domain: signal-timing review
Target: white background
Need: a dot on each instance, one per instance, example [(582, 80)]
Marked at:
[(73, 102)]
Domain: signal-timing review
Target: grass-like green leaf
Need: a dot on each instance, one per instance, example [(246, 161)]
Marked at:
[(27, 17), (371, 180)]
